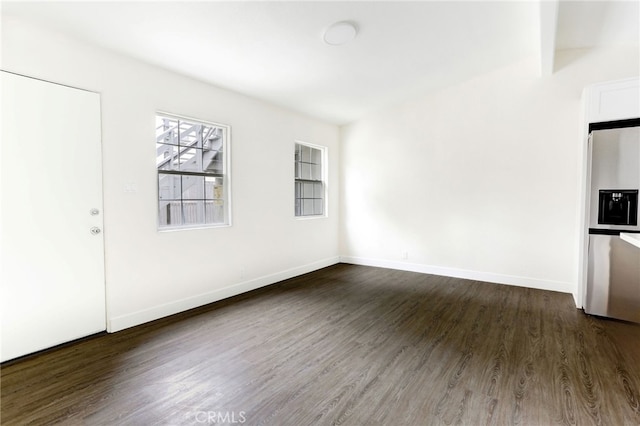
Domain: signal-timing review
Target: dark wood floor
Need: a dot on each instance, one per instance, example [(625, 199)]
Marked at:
[(345, 345)]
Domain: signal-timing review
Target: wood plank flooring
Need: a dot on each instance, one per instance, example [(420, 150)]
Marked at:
[(346, 345)]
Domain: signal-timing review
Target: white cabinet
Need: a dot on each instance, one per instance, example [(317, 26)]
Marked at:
[(616, 100)]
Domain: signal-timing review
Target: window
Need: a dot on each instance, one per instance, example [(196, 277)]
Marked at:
[(193, 182), (309, 180)]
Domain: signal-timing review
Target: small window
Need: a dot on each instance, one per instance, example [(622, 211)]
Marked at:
[(193, 184), (309, 180)]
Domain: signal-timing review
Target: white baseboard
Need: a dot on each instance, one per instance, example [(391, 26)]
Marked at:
[(560, 286), (150, 314)]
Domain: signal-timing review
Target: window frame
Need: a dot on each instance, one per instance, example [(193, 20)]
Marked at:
[(225, 176), (324, 179)]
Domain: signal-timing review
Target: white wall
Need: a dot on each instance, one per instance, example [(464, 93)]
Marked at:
[(480, 180), (149, 273)]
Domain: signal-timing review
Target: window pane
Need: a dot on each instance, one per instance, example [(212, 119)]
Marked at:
[(192, 187), (193, 212), (317, 206), (298, 207), (305, 171), (318, 190), (308, 190), (166, 157), (297, 154), (307, 207), (214, 211), (212, 138), (212, 161), (190, 134), (306, 153), (214, 188), (298, 189), (191, 160), (170, 213), (166, 130), (169, 187), (316, 156), (316, 172)]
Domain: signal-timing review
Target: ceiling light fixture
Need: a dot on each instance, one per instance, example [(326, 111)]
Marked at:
[(340, 33)]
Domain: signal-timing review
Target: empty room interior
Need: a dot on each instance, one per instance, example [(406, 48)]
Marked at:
[(360, 212)]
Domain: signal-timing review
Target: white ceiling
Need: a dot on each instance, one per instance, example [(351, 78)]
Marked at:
[(273, 50)]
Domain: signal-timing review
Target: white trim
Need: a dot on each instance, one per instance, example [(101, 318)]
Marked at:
[(150, 314), (561, 286)]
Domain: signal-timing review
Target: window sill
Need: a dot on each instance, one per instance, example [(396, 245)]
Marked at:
[(320, 216), (192, 227)]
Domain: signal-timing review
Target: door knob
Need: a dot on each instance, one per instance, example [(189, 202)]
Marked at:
[(94, 212), (95, 230)]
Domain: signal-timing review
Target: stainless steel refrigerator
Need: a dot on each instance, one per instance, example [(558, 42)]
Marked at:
[(613, 278)]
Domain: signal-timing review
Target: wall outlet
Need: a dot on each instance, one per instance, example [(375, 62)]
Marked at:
[(405, 255)]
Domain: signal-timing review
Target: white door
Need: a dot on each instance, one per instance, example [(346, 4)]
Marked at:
[(52, 285)]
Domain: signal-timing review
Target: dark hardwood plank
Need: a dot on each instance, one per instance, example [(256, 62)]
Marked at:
[(346, 345)]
